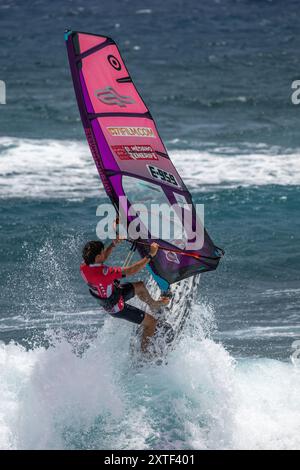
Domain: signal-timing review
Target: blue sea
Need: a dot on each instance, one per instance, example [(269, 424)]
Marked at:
[(217, 78)]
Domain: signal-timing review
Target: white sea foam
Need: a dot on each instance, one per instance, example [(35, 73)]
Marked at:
[(252, 169), (56, 168), (289, 331), (144, 11), (46, 168), (201, 399)]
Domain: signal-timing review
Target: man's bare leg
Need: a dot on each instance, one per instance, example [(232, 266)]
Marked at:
[(144, 295), (149, 325)]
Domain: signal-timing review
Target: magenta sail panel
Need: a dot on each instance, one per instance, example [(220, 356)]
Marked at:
[(128, 150)]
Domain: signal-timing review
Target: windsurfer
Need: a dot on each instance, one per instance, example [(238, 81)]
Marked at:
[(104, 284)]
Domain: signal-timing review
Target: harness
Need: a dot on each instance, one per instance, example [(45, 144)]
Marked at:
[(109, 302)]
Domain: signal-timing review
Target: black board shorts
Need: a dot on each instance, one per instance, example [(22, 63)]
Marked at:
[(129, 312)]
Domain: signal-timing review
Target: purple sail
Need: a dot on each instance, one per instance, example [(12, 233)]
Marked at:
[(129, 154)]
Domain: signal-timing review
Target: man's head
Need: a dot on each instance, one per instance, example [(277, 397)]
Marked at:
[(93, 252)]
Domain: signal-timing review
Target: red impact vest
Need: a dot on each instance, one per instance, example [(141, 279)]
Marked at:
[(100, 279)]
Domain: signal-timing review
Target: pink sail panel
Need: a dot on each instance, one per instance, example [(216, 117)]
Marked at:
[(101, 71), (87, 41)]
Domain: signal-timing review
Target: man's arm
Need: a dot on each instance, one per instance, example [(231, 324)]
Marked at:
[(139, 265), (108, 250), (136, 267)]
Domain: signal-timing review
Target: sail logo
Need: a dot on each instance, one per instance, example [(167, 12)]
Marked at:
[(96, 156), (114, 62), (134, 152), (111, 97), (131, 131)]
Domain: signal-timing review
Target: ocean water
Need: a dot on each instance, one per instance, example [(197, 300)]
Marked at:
[(217, 77)]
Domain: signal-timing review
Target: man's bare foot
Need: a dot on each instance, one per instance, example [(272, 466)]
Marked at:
[(160, 302), (164, 300)]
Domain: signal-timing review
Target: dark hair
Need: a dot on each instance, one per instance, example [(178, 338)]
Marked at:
[(91, 250)]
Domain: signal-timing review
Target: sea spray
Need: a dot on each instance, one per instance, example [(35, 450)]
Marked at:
[(171, 319), (200, 398)]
